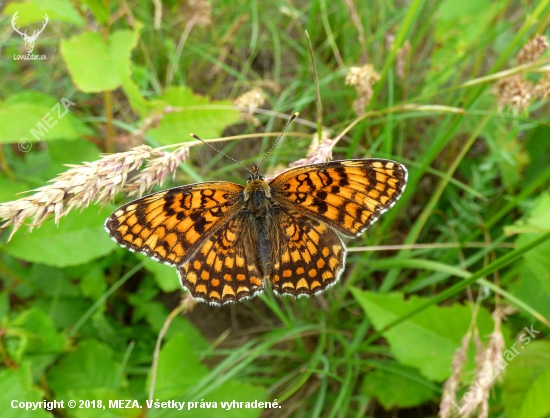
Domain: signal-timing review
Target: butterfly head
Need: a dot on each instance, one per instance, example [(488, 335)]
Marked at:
[(254, 174)]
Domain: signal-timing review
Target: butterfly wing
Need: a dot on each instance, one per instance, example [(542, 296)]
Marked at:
[(348, 195), (170, 225), (225, 267), (310, 255)]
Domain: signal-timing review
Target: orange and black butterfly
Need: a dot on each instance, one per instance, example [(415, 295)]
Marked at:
[(227, 241)]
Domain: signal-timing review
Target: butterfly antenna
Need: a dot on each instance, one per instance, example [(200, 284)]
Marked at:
[(217, 150), (294, 116)]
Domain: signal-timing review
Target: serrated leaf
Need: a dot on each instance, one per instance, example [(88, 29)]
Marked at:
[(197, 117), (395, 385), (17, 385), (436, 331), (91, 366), (80, 238), (526, 382)]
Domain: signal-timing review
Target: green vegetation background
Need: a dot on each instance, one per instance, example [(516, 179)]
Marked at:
[(80, 317)]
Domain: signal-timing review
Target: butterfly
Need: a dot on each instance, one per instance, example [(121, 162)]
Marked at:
[(227, 241)]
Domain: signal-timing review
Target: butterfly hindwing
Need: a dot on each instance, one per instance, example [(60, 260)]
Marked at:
[(170, 225), (348, 195), (225, 268), (309, 256)]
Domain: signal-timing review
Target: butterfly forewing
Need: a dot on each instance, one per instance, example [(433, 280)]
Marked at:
[(348, 195), (169, 226)]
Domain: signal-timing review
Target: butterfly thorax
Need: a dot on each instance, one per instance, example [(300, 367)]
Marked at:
[(256, 195)]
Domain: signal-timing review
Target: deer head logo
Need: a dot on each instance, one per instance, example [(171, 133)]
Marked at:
[(29, 39)]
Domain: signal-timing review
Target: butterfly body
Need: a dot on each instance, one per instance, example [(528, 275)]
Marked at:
[(227, 241)]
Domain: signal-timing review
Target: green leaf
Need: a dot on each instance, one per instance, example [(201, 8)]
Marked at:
[(35, 122), (534, 277), (33, 12), (526, 381), (98, 9), (436, 331), (41, 335), (91, 366), (79, 239), (196, 117), (165, 276), (395, 385), (17, 385), (103, 395), (94, 64), (178, 368)]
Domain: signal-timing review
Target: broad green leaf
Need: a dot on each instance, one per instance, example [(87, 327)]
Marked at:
[(198, 115), (4, 304), (436, 331), (9, 189), (34, 123), (534, 281), (17, 385), (33, 12), (395, 385), (178, 368), (91, 366), (527, 381), (98, 9), (93, 282), (165, 276), (40, 333), (79, 238)]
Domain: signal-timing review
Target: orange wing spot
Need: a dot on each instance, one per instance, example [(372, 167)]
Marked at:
[(161, 232), (380, 187), (201, 288), (302, 283), (348, 221), (119, 213), (285, 257), (151, 242), (210, 258), (243, 289), (231, 236), (288, 284), (336, 249), (295, 256), (138, 242), (155, 214), (132, 220), (327, 275), (315, 284), (229, 262), (191, 277), (122, 229), (215, 282), (172, 222), (218, 265), (241, 277), (227, 290), (227, 278), (215, 295), (314, 236), (312, 273), (276, 278), (384, 199), (171, 256), (290, 230), (206, 247), (145, 233), (381, 177), (300, 270), (320, 263), (128, 237), (375, 194), (205, 275), (255, 281), (378, 164), (326, 252), (240, 261), (287, 273), (178, 249), (333, 262), (161, 251), (306, 256), (392, 182), (191, 236), (171, 239)]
